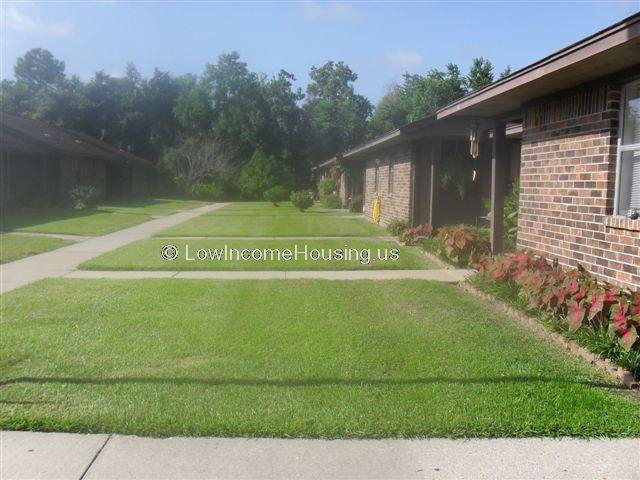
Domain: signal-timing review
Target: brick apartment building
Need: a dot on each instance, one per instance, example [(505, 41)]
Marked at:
[(568, 126), (38, 161)]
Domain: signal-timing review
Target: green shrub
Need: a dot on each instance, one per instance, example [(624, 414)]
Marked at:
[(83, 196), (396, 227), (276, 195), (327, 186), (355, 205), (301, 200), (213, 191), (332, 201), (261, 173)]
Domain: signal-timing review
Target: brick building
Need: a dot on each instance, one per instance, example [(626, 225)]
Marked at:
[(38, 161), (568, 126)]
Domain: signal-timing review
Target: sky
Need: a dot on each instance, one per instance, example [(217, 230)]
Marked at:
[(379, 40)]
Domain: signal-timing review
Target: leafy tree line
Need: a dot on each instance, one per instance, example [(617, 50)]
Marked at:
[(421, 95), (228, 131)]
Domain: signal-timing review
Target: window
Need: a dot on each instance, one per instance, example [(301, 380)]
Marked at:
[(375, 178), (628, 165), (391, 167)]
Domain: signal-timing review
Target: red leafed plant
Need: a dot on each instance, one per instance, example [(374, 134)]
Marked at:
[(412, 236), (462, 245), (575, 295)]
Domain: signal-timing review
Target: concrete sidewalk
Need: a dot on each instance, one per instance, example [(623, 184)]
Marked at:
[(443, 275), (66, 259), (75, 456)]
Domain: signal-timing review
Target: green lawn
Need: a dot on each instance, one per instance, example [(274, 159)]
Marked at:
[(261, 219), (104, 219), (15, 247), (145, 255), (287, 359)]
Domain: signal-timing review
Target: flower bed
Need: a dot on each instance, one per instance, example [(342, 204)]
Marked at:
[(603, 317)]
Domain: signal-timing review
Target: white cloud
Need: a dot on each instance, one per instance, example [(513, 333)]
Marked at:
[(315, 10), (405, 61), (21, 22)]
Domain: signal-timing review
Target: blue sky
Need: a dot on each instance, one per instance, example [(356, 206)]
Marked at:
[(379, 41)]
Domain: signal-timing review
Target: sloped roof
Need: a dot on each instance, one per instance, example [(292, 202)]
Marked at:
[(611, 50), (32, 136)]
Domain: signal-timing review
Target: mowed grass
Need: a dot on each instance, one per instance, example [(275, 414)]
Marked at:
[(306, 358), (208, 254), (103, 219), (15, 247), (262, 219)]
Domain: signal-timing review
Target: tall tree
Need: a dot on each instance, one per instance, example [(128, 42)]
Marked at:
[(480, 75), (425, 95), (389, 113), (39, 68), (337, 114), (240, 113)]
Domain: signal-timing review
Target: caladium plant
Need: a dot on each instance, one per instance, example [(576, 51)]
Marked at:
[(575, 295)]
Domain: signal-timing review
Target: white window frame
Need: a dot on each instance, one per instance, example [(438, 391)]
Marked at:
[(622, 148)]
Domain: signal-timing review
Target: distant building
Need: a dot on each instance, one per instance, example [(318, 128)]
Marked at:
[(38, 161)]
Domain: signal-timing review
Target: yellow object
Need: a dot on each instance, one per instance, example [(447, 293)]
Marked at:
[(377, 205)]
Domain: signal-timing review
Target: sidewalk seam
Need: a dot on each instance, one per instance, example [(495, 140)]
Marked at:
[(95, 457)]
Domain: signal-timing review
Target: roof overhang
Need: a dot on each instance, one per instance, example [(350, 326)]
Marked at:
[(612, 50)]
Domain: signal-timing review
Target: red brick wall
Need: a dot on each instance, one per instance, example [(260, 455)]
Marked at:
[(397, 203), (568, 183)]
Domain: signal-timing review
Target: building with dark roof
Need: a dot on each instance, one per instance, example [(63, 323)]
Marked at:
[(39, 161), (568, 126)]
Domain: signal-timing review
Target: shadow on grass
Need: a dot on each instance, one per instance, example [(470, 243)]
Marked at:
[(29, 217), (310, 382)]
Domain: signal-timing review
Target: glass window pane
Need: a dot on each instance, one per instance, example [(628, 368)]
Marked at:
[(629, 189), (631, 120)]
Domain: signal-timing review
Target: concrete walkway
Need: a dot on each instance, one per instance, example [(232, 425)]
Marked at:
[(444, 275), (62, 236), (66, 259), (76, 456)]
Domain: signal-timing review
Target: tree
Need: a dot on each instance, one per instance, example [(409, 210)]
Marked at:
[(39, 68), (480, 74), (239, 110), (390, 112), (337, 114), (197, 160), (425, 95), (261, 173), (505, 73)]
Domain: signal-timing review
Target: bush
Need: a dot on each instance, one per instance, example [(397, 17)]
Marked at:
[(576, 299), (396, 227), (462, 245), (332, 201), (261, 173), (412, 236), (276, 195), (83, 196), (355, 205), (301, 200), (327, 186), (213, 191)]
